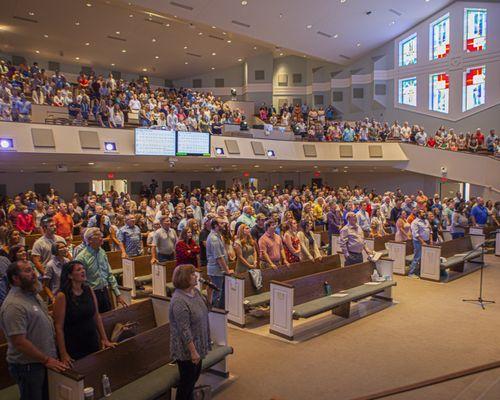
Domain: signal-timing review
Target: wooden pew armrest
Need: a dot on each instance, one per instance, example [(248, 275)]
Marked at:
[(433, 246), (236, 276), (71, 374), (284, 284)]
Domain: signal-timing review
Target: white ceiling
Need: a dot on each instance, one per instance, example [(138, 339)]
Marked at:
[(273, 23), (285, 23), (65, 40)]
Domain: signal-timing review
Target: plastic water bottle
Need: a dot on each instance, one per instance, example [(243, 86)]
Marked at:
[(106, 387), (328, 288)]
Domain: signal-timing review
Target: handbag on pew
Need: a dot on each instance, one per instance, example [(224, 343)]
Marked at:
[(256, 277), (123, 331), (203, 392)]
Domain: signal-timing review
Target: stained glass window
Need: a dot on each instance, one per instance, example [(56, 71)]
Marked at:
[(440, 38), (408, 51), (475, 29), (474, 87), (439, 92), (408, 91)]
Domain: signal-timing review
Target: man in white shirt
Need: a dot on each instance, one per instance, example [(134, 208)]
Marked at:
[(405, 132)]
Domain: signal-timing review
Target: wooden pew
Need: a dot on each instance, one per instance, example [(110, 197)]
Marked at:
[(401, 253), (8, 387), (461, 259), (136, 270), (305, 297), (140, 367), (30, 240), (378, 243), (241, 295)]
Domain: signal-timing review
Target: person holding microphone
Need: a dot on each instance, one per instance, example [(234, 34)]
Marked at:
[(189, 329)]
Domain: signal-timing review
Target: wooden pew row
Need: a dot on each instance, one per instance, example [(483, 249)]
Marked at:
[(30, 240), (305, 297), (8, 387), (139, 368), (401, 253), (241, 295), (462, 258), (378, 243), (136, 270)]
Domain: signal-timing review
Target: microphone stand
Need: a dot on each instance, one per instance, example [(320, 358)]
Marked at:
[(482, 302)]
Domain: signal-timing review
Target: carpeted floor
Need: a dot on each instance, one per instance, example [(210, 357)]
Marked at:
[(430, 332)]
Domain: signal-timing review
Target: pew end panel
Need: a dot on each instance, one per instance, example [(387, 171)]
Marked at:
[(67, 385), (159, 279), (128, 266), (497, 243), (447, 235), (397, 252), (218, 334), (234, 299), (430, 263), (161, 305), (335, 244), (385, 268), (370, 244), (477, 239), (281, 322)]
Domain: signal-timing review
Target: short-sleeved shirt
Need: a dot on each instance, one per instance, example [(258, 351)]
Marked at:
[(25, 313), (131, 239), (215, 250), (53, 271), (480, 214), (64, 224), (165, 241), (43, 247), (272, 246)]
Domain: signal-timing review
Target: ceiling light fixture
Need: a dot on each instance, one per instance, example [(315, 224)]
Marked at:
[(87, 44), (77, 23), (89, 4), (214, 27), (229, 41), (309, 26), (112, 64), (255, 47), (131, 15), (144, 70), (214, 54), (240, 59), (157, 57), (37, 51), (343, 1), (45, 36), (90, 163), (153, 40), (186, 63), (167, 25), (336, 36), (212, 68), (31, 13), (224, 33), (200, 33), (281, 54), (124, 51), (117, 32), (77, 58), (358, 44), (244, 2)]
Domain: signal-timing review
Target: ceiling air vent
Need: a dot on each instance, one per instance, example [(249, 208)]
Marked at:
[(116, 38), (34, 21), (194, 55), (185, 7), (215, 37), (344, 57), (240, 24), (392, 10), (324, 34), (153, 21)]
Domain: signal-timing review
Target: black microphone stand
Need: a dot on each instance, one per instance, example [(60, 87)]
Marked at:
[(482, 302)]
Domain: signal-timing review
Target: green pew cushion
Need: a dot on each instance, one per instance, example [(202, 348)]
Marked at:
[(326, 303), (161, 380), (258, 300), (117, 271), (10, 393), (460, 258), (144, 279), (409, 259)]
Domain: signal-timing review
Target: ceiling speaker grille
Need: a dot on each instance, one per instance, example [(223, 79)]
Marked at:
[(240, 23), (34, 21), (116, 38), (193, 55), (185, 7)]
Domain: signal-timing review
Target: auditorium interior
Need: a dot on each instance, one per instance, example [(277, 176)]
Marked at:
[(329, 171)]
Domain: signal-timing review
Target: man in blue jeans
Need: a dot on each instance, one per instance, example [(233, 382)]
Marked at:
[(421, 233), (217, 262), (30, 333)]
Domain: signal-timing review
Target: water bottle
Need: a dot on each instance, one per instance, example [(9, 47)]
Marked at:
[(106, 387), (328, 288)]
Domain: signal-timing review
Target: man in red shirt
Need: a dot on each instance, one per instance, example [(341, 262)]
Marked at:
[(64, 223), (271, 248), (24, 223), (479, 137)]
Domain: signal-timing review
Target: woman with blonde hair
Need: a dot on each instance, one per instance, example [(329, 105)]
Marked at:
[(308, 246), (403, 232), (244, 247), (291, 242)]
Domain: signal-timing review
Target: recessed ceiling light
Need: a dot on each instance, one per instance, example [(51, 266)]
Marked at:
[(186, 63), (256, 166), (185, 47), (359, 44), (244, 2), (229, 41), (214, 27), (90, 163), (77, 58), (87, 44), (112, 64), (336, 36), (212, 68), (392, 23), (37, 51), (153, 40), (131, 15), (77, 23), (144, 70), (281, 54), (200, 33), (45, 36), (309, 26), (281, 15), (281, 166), (224, 33), (214, 54), (167, 25), (31, 13), (427, 1), (157, 57), (89, 4), (343, 1), (240, 59), (175, 16), (124, 51), (117, 32)]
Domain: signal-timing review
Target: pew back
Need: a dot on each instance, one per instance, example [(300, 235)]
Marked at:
[(295, 270), (379, 244), (115, 259), (5, 378), (141, 312), (456, 246), (311, 287)]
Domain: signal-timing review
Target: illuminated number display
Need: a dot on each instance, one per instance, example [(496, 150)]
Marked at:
[(439, 92), (474, 87), (408, 51), (440, 37), (475, 29), (408, 91)]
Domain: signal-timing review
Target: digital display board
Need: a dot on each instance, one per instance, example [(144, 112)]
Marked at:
[(193, 143), (154, 142)]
